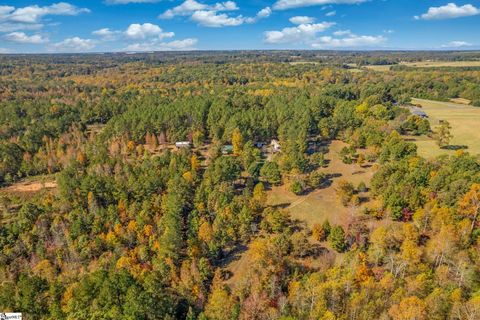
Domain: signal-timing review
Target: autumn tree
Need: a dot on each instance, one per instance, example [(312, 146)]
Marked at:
[(220, 304), (237, 141), (469, 206), (408, 309), (345, 191), (443, 135), (259, 193)]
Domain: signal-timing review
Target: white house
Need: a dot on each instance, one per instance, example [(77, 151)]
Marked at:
[(275, 145)]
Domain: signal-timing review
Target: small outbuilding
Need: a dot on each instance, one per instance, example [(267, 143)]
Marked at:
[(260, 144), (420, 113), (227, 149), (275, 145), (183, 144)]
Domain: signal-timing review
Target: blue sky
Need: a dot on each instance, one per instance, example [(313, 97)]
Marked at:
[(29, 26)]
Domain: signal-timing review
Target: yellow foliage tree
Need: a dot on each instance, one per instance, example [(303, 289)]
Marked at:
[(205, 232), (411, 308), (195, 163), (259, 193), (220, 304), (237, 141), (470, 205)]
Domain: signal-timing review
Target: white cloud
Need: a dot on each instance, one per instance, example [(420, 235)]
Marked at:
[(456, 44), (4, 50), (264, 13), (309, 34), (130, 1), (143, 37), (5, 11), (9, 27), (74, 44), (21, 37), (30, 17), (34, 13), (449, 11), (301, 20), (331, 13), (213, 15), (214, 19), (351, 41), (340, 33), (176, 45), (188, 7), (302, 33), (106, 34), (146, 30), (289, 4)]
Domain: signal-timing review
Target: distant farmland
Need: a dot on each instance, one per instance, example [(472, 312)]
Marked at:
[(465, 122), (439, 64), (427, 64)]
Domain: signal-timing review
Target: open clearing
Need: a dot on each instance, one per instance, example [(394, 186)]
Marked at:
[(315, 207), (441, 64), (427, 64), (323, 204), (465, 122), (31, 185)]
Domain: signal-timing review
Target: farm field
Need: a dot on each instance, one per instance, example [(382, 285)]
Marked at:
[(465, 121), (440, 64), (427, 64), (382, 68)]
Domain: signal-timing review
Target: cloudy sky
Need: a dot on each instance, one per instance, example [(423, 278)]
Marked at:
[(28, 26)]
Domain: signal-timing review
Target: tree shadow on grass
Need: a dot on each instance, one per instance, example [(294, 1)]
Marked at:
[(234, 255), (281, 205), (358, 172), (454, 147), (324, 185), (317, 251)]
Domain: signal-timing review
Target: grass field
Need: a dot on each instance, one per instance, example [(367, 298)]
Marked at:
[(465, 122), (31, 185), (315, 207), (379, 67), (427, 64), (323, 204), (440, 64)]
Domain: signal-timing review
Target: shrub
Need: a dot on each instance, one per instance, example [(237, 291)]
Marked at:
[(337, 239), (345, 191), (297, 187), (318, 233), (315, 179), (362, 187), (271, 173)]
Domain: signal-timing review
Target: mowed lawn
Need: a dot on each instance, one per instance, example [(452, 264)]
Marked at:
[(465, 122), (323, 204)]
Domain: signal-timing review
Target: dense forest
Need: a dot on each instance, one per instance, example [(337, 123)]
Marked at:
[(139, 228)]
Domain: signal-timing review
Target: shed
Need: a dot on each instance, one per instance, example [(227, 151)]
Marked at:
[(420, 113), (227, 149), (183, 144)]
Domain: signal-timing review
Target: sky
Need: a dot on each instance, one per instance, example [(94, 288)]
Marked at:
[(34, 26)]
